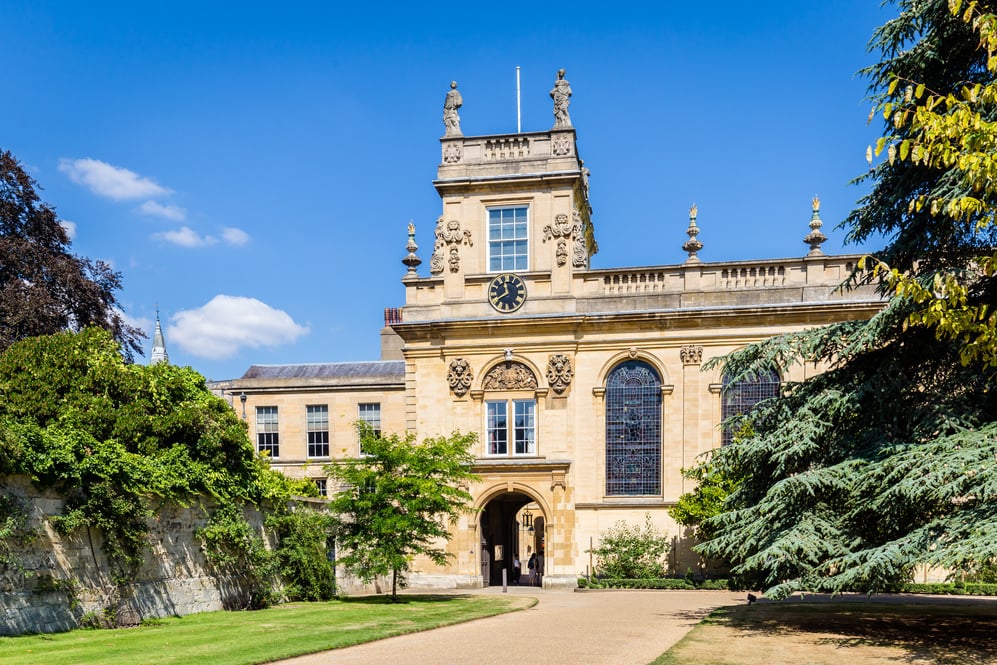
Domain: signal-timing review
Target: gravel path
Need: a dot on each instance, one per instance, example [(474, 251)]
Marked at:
[(564, 627)]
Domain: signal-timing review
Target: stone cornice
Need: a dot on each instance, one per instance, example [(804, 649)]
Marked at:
[(691, 318), (518, 464), (624, 503)]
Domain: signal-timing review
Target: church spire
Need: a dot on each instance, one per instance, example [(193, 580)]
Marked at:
[(159, 354)]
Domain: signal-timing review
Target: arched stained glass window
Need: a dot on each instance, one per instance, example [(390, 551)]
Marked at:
[(633, 430), (739, 398)]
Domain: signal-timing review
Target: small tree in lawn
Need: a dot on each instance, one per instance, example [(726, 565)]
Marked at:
[(398, 501), (627, 551)]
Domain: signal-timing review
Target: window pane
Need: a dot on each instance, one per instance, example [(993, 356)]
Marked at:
[(267, 436), (317, 422), (370, 413), (508, 234), (525, 427), (497, 428), (633, 430)]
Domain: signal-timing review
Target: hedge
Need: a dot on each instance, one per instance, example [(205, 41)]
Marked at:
[(953, 589), (657, 583)]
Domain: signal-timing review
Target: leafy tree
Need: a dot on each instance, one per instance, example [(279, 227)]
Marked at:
[(397, 501), (628, 551), (706, 500), (952, 131), (43, 288), (886, 460)]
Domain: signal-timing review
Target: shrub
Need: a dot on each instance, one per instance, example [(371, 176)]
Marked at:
[(304, 566), (627, 551)]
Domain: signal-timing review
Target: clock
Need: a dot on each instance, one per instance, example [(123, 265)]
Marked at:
[(507, 292)]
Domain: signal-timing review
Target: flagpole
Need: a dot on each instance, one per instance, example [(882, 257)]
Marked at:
[(519, 117)]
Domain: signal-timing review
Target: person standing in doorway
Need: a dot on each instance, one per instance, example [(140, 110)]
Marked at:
[(531, 565), (515, 569), (539, 567)]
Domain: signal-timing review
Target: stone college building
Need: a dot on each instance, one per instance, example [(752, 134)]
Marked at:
[(584, 386)]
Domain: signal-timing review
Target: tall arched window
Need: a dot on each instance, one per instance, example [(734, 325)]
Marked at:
[(739, 398), (633, 430)]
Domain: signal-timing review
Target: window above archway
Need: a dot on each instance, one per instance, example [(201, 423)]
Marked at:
[(510, 419)]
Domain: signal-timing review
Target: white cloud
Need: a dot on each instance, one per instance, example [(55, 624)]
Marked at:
[(186, 237), (234, 236), (69, 227), (168, 211), (113, 182), (227, 324)]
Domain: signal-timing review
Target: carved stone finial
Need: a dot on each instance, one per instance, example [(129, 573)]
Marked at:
[(559, 372), (459, 376), (692, 245), (815, 237), (412, 261), (453, 101), (561, 94)]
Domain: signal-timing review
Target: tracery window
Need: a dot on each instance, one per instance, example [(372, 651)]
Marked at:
[(633, 430), (740, 397)]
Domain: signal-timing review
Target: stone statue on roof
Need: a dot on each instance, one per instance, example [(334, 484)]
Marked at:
[(561, 94), (453, 101)]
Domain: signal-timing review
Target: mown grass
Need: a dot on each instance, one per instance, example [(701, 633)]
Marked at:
[(243, 638), (839, 633)]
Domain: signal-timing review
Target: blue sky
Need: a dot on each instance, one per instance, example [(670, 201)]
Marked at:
[(252, 167)]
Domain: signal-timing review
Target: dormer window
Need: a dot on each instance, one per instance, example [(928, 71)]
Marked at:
[(508, 239)]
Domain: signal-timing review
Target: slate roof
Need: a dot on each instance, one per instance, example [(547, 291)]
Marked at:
[(386, 370)]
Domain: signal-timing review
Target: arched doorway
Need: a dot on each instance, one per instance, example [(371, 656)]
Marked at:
[(512, 528)]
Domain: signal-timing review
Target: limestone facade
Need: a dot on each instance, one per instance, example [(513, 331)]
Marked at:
[(514, 336)]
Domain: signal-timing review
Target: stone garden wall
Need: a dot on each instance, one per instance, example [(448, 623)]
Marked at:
[(62, 582)]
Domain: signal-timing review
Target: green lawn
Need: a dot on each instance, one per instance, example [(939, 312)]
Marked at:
[(241, 638)]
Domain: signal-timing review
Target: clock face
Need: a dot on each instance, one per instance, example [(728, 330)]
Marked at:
[(507, 292)]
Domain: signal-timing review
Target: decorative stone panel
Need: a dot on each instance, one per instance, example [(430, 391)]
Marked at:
[(510, 375), (459, 376), (559, 372)]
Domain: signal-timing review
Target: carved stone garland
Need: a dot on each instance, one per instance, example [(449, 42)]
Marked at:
[(448, 233), (564, 230), (459, 377), (509, 375), (580, 259), (560, 229), (559, 372)]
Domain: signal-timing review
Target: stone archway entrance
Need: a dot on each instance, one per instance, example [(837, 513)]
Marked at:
[(511, 527)]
